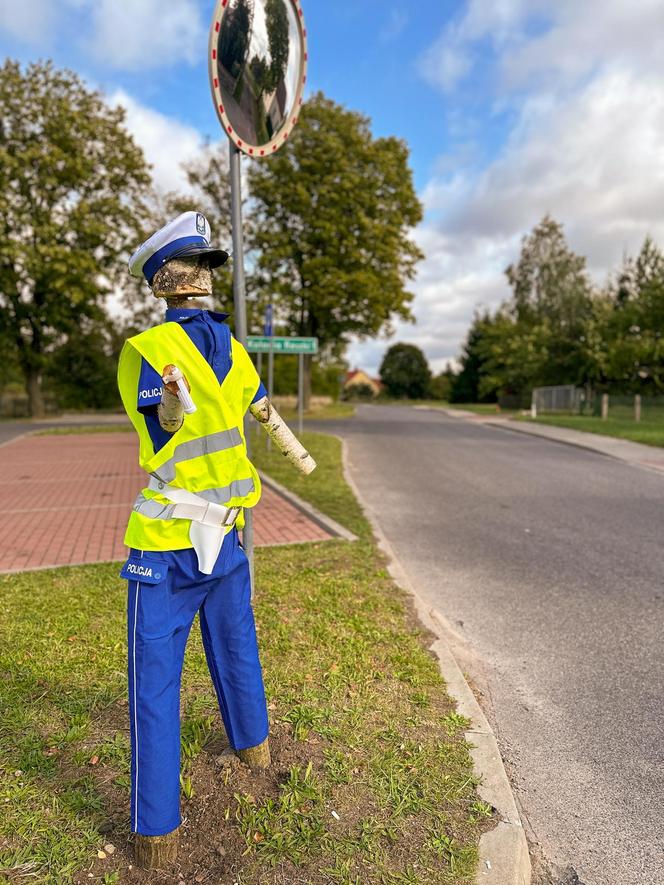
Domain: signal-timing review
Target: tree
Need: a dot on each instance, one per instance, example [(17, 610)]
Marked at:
[(82, 372), (552, 298), (235, 36), (71, 187), (405, 372), (632, 349), (465, 387), (277, 28), (333, 213), (441, 384)]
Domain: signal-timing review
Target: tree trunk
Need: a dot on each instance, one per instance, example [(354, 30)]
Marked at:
[(35, 396), (156, 852)]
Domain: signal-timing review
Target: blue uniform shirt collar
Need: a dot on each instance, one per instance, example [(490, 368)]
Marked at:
[(184, 314)]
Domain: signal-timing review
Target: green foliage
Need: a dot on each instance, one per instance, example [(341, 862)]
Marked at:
[(538, 337), (82, 373), (441, 385), (556, 330), (334, 208), (325, 376), (72, 183), (405, 372), (465, 387), (361, 392), (629, 324)]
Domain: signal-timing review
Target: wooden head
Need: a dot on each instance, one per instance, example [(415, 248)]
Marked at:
[(181, 279)]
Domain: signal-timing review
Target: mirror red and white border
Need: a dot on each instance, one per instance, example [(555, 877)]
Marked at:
[(253, 150)]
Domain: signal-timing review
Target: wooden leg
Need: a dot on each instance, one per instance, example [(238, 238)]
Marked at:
[(258, 756), (156, 852)]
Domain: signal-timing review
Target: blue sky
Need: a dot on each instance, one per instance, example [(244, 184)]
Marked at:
[(511, 108), (363, 54)]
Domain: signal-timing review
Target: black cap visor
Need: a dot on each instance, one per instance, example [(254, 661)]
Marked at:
[(212, 257)]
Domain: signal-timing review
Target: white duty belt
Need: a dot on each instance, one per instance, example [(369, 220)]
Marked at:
[(210, 522)]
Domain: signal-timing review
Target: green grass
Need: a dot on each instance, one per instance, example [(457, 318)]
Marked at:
[(481, 408), (355, 701), (325, 487), (650, 433)]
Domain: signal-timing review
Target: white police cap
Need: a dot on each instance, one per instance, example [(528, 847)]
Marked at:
[(187, 236)]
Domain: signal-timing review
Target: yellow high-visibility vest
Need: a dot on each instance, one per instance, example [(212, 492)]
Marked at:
[(208, 454)]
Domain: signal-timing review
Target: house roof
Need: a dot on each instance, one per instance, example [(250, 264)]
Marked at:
[(353, 373)]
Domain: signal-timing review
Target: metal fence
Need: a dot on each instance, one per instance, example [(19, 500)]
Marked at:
[(635, 407), (566, 399), (561, 399)]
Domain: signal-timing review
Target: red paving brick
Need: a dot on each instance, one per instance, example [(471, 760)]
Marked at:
[(66, 499)]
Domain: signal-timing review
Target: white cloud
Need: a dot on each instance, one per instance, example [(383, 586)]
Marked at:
[(454, 53), (31, 21), (166, 142), (560, 42), (127, 35), (586, 91), (142, 34)]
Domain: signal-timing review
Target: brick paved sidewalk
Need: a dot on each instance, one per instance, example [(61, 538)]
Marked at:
[(66, 499)]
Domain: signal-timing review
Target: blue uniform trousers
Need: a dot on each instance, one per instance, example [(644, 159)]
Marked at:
[(166, 590)]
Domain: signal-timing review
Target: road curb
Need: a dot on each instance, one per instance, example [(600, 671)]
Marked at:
[(514, 427), (651, 464), (504, 855)]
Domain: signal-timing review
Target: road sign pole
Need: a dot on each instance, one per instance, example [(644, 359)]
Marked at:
[(270, 382), (240, 308), (259, 369), (300, 392)]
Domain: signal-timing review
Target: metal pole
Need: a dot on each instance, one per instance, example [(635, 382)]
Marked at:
[(240, 305), (259, 369), (300, 391), (270, 382)]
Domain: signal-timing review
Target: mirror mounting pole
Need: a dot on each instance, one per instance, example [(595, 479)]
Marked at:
[(240, 311)]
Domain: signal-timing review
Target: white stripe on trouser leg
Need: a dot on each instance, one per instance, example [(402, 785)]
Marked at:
[(135, 712)]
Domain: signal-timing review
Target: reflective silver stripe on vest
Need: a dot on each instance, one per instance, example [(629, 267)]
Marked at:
[(154, 510), (222, 495), (204, 445)]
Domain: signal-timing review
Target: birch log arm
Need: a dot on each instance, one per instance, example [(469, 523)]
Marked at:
[(170, 412), (282, 436)]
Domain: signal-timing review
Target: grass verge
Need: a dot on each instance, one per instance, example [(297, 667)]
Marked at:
[(371, 782), (652, 434), (325, 488), (76, 429)]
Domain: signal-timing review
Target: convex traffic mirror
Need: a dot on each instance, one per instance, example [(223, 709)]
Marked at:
[(258, 58)]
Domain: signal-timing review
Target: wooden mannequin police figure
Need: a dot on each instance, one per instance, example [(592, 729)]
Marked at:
[(186, 386)]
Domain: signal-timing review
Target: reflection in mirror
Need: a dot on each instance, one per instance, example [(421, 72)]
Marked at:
[(258, 65)]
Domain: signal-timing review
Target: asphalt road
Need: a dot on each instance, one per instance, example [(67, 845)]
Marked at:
[(547, 562)]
